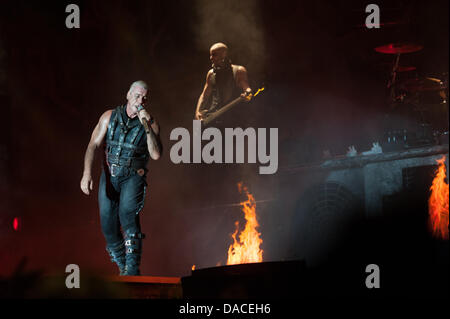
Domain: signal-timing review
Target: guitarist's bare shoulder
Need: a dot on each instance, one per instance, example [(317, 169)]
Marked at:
[(240, 76), (238, 69)]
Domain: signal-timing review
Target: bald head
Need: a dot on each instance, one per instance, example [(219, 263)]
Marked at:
[(219, 46), (217, 54)]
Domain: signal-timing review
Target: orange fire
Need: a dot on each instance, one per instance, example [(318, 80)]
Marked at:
[(247, 249), (438, 203)]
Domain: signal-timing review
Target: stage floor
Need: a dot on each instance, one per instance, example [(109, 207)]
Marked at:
[(148, 287)]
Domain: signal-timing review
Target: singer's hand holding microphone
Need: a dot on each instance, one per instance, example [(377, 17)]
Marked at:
[(144, 117)]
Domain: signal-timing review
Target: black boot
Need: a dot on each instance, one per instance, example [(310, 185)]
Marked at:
[(133, 245), (117, 254)]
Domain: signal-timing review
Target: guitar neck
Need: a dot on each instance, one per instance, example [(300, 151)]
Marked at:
[(223, 109)]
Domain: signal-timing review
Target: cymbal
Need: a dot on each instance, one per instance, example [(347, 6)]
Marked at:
[(435, 80), (398, 48), (405, 68), (400, 68), (425, 84)]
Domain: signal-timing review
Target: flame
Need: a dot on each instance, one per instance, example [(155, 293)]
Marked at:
[(247, 249), (193, 267), (438, 203)]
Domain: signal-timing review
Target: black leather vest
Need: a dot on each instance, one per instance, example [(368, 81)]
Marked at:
[(126, 141)]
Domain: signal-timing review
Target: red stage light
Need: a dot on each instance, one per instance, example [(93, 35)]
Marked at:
[(16, 223)]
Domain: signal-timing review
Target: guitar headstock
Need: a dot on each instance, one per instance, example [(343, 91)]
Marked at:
[(259, 91)]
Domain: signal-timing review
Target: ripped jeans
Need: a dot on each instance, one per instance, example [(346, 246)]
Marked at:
[(120, 199)]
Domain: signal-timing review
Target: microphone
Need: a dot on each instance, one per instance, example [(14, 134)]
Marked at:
[(143, 121)]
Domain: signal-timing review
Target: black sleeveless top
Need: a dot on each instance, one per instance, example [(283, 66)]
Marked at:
[(224, 88)]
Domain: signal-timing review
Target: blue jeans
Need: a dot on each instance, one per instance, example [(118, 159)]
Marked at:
[(120, 199)]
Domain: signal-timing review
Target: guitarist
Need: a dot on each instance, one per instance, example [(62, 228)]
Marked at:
[(224, 82)]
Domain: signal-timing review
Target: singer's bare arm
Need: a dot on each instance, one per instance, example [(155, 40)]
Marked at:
[(97, 137), (153, 140)]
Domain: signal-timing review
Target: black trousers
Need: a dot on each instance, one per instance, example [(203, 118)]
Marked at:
[(120, 199)]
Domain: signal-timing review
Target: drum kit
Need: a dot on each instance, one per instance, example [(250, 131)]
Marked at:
[(422, 99)]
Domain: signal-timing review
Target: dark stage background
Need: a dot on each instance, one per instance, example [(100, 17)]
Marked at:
[(325, 90)]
